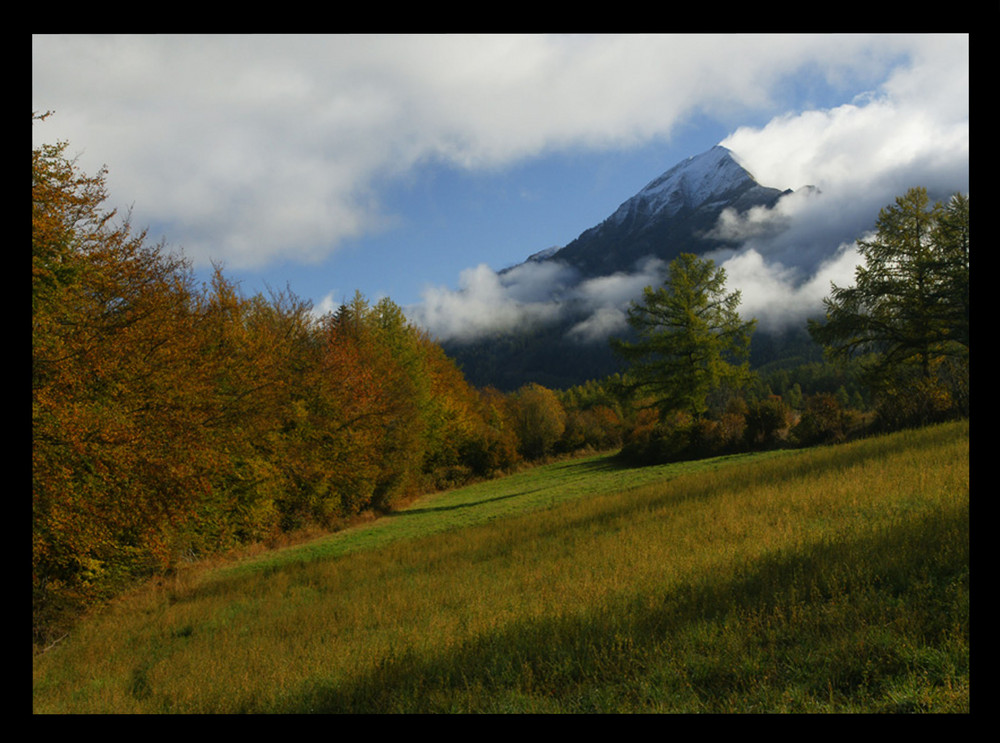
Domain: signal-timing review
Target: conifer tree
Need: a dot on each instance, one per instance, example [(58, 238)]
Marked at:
[(907, 315), (691, 339), (909, 303)]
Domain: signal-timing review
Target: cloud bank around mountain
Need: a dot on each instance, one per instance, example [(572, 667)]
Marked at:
[(261, 148), (258, 150), (846, 163)]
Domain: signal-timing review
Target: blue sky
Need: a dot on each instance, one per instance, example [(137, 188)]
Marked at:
[(396, 165)]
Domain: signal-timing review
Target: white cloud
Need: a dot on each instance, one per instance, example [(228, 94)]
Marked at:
[(485, 302), (251, 149), (490, 302), (914, 125), (603, 323), (777, 296), (618, 289)]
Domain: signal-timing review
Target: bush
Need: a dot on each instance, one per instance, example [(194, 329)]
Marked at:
[(918, 402), (826, 421), (539, 420), (658, 441), (767, 423)]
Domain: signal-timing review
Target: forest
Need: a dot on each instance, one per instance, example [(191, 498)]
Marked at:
[(174, 420)]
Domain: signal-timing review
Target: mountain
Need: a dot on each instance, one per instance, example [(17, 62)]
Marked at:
[(673, 214)]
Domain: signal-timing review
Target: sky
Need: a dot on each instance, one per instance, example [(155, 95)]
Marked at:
[(416, 167)]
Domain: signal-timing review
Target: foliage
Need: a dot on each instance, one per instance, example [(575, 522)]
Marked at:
[(539, 420), (172, 421), (824, 420), (691, 339), (770, 583), (767, 422), (120, 447), (909, 307)]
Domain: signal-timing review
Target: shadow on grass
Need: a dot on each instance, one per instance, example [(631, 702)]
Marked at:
[(790, 468), (460, 506), (801, 621)]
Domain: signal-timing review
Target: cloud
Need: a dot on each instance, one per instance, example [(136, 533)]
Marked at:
[(488, 302), (911, 129), (778, 297), (252, 149)]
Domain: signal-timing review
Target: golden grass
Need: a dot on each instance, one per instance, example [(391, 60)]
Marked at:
[(834, 579)]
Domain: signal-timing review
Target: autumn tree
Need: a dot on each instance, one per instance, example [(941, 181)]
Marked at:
[(495, 446), (460, 442), (539, 420), (691, 338), (117, 450), (257, 354), (173, 420)]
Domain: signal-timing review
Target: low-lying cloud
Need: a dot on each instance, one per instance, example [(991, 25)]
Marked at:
[(489, 302), (844, 164)]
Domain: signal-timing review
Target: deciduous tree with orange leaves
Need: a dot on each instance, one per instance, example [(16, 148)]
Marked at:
[(117, 452), (173, 420)]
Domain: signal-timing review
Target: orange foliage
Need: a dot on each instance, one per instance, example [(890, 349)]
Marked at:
[(172, 420)]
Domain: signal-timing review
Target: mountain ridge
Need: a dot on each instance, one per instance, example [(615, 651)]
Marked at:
[(673, 213), (676, 212)]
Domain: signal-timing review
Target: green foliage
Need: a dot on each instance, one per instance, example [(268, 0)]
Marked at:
[(826, 420), (909, 307), (691, 338), (767, 423), (539, 420), (911, 398)]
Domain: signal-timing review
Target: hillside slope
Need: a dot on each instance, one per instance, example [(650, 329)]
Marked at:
[(825, 580)]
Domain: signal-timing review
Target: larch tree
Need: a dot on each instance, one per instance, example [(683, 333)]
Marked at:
[(907, 315), (691, 338)]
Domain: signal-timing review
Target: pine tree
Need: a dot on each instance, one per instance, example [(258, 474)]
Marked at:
[(907, 315)]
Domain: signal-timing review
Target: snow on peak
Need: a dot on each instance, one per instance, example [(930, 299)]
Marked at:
[(691, 183), (542, 255)]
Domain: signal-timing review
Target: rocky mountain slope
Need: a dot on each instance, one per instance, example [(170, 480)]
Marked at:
[(673, 214)]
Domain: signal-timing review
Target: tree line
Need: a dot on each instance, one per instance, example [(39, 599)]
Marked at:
[(900, 332), (173, 420)]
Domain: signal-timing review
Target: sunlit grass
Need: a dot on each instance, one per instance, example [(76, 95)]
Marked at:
[(828, 580)]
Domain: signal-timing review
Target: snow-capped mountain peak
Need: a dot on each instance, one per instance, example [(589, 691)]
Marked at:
[(698, 180), (673, 213)]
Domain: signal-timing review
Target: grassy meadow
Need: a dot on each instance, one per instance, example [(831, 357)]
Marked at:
[(833, 579)]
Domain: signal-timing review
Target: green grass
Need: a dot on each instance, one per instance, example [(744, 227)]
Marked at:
[(824, 580), (539, 488)]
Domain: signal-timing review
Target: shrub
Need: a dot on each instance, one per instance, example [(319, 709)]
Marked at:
[(767, 423), (825, 421)]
